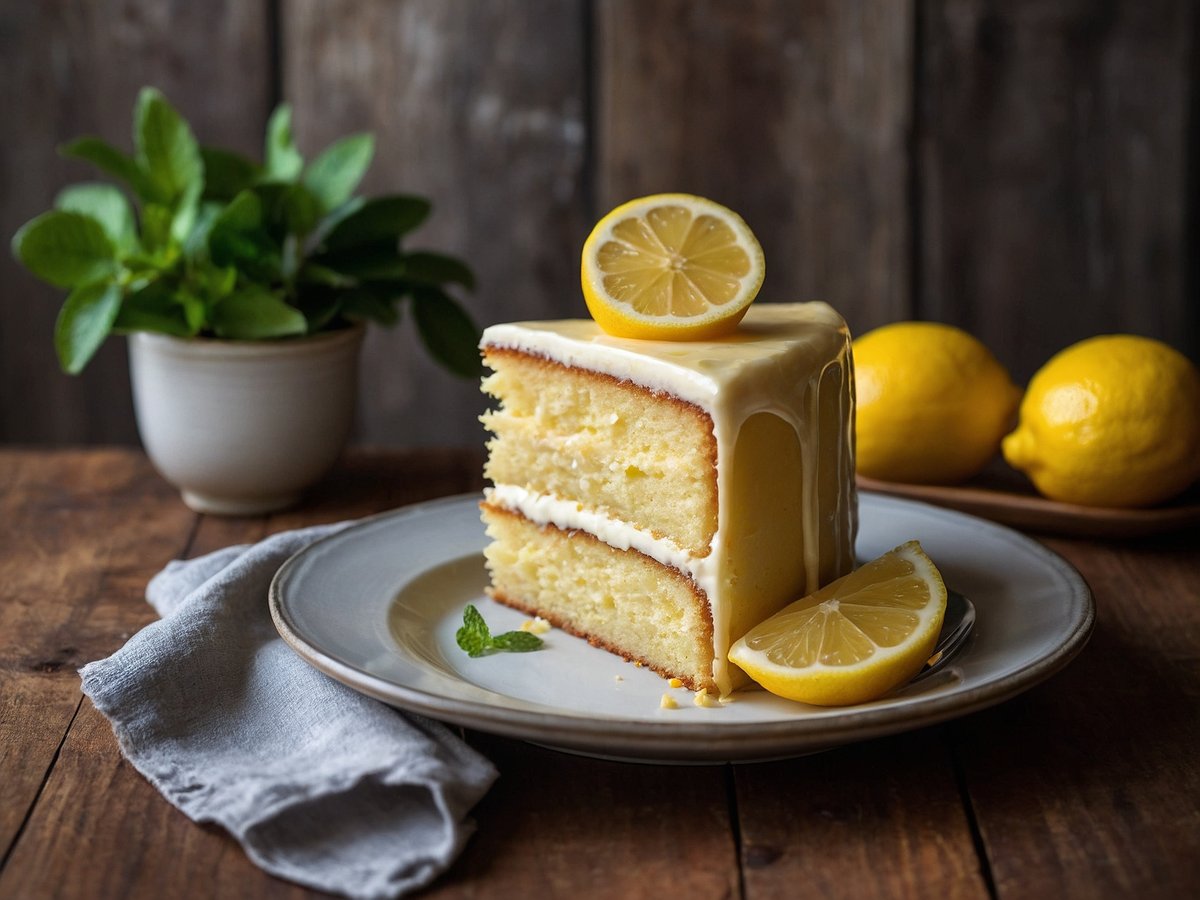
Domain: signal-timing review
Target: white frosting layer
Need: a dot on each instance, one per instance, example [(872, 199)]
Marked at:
[(570, 516), (773, 363)]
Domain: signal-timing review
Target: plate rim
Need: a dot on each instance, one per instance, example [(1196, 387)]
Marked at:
[(669, 741)]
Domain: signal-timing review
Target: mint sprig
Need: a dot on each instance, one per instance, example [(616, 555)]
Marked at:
[(476, 639), (202, 241)]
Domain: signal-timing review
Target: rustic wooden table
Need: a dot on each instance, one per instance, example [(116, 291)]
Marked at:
[(1086, 786)]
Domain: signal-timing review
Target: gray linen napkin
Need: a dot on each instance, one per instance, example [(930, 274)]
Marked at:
[(319, 784)]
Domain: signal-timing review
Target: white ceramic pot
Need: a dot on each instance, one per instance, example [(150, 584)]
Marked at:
[(243, 427)]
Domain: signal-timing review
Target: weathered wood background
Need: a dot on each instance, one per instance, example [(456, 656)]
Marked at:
[(1020, 169)]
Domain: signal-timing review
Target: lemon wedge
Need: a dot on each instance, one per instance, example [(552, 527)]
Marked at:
[(853, 640), (671, 267)]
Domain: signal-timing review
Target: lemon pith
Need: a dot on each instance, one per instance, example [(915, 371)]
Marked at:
[(853, 640), (1110, 421), (670, 267)]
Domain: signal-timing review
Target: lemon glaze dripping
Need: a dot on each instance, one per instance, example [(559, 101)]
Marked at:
[(777, 362)]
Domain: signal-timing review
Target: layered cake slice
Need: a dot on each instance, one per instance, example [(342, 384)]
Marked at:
[(661, 498)]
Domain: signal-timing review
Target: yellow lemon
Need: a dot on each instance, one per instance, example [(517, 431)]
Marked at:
[(670, 267), (933, 403), (856, 638), (1110, 421)]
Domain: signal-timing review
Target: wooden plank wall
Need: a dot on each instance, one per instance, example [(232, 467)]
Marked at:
[(1020, 169)]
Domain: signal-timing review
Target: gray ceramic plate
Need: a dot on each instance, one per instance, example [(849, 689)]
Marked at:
[(376, 606)]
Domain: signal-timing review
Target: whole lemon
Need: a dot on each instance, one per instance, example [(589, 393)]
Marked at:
[(933, 403), (1110, 421)]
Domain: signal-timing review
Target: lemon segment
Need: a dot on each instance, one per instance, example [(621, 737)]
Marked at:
[(1111, 421), (855, 639), (670, 267)]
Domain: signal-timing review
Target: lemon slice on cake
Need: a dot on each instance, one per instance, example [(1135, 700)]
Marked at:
[(853, 640), (671, 267)]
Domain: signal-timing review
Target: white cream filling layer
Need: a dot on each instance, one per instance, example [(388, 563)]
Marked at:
[(545, 509)]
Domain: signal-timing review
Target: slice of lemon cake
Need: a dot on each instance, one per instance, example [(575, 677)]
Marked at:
[(661, 498)]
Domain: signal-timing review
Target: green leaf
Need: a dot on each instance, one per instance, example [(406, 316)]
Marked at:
[(320, 309), (166, 147), (107, 205), (237, 238), (152, 308), (85, 320), (109, 159), (375, 221), (195, 313), (476, 639), (244, 213), (313, 273), (197, 241), (254, 313), (336, 172), (448, 332), (368, 262), (283, 160), (186, 210), (301, 210), (156, 228), (434, 268), (65, 248), (227, 173), (474, 636), (366, 305), (516, 642)]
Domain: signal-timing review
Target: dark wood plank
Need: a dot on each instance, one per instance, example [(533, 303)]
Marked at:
[(80, 534), (880, 819), (90, 779), (1054, 172), (70, 69), (101, 830), (796, 115), (1087, 786), (556, 825), (480, 107)]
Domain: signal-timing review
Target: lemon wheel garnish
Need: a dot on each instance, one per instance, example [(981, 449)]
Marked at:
[(856, 638), (670, 267)]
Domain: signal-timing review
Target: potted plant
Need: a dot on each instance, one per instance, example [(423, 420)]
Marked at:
[(244, 289)]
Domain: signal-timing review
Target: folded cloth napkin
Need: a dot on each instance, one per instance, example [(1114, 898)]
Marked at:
[(318, 783)]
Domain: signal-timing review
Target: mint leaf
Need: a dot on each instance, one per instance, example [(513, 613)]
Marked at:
[(226, 173), (449, 334), (156, 227), (301, 210), (516, 642), (109, 159), (384, 219), (283, 160), (434, 268), (336, 172), (237, 238), (166, 148), (85, 320), (107, 205), (476, 639), (474, 636), (254, 313), (370, 305), (65, 248), (151, 308), (368, 262), (186, 209)]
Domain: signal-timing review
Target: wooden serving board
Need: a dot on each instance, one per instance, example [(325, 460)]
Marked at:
[(1000, 498)]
